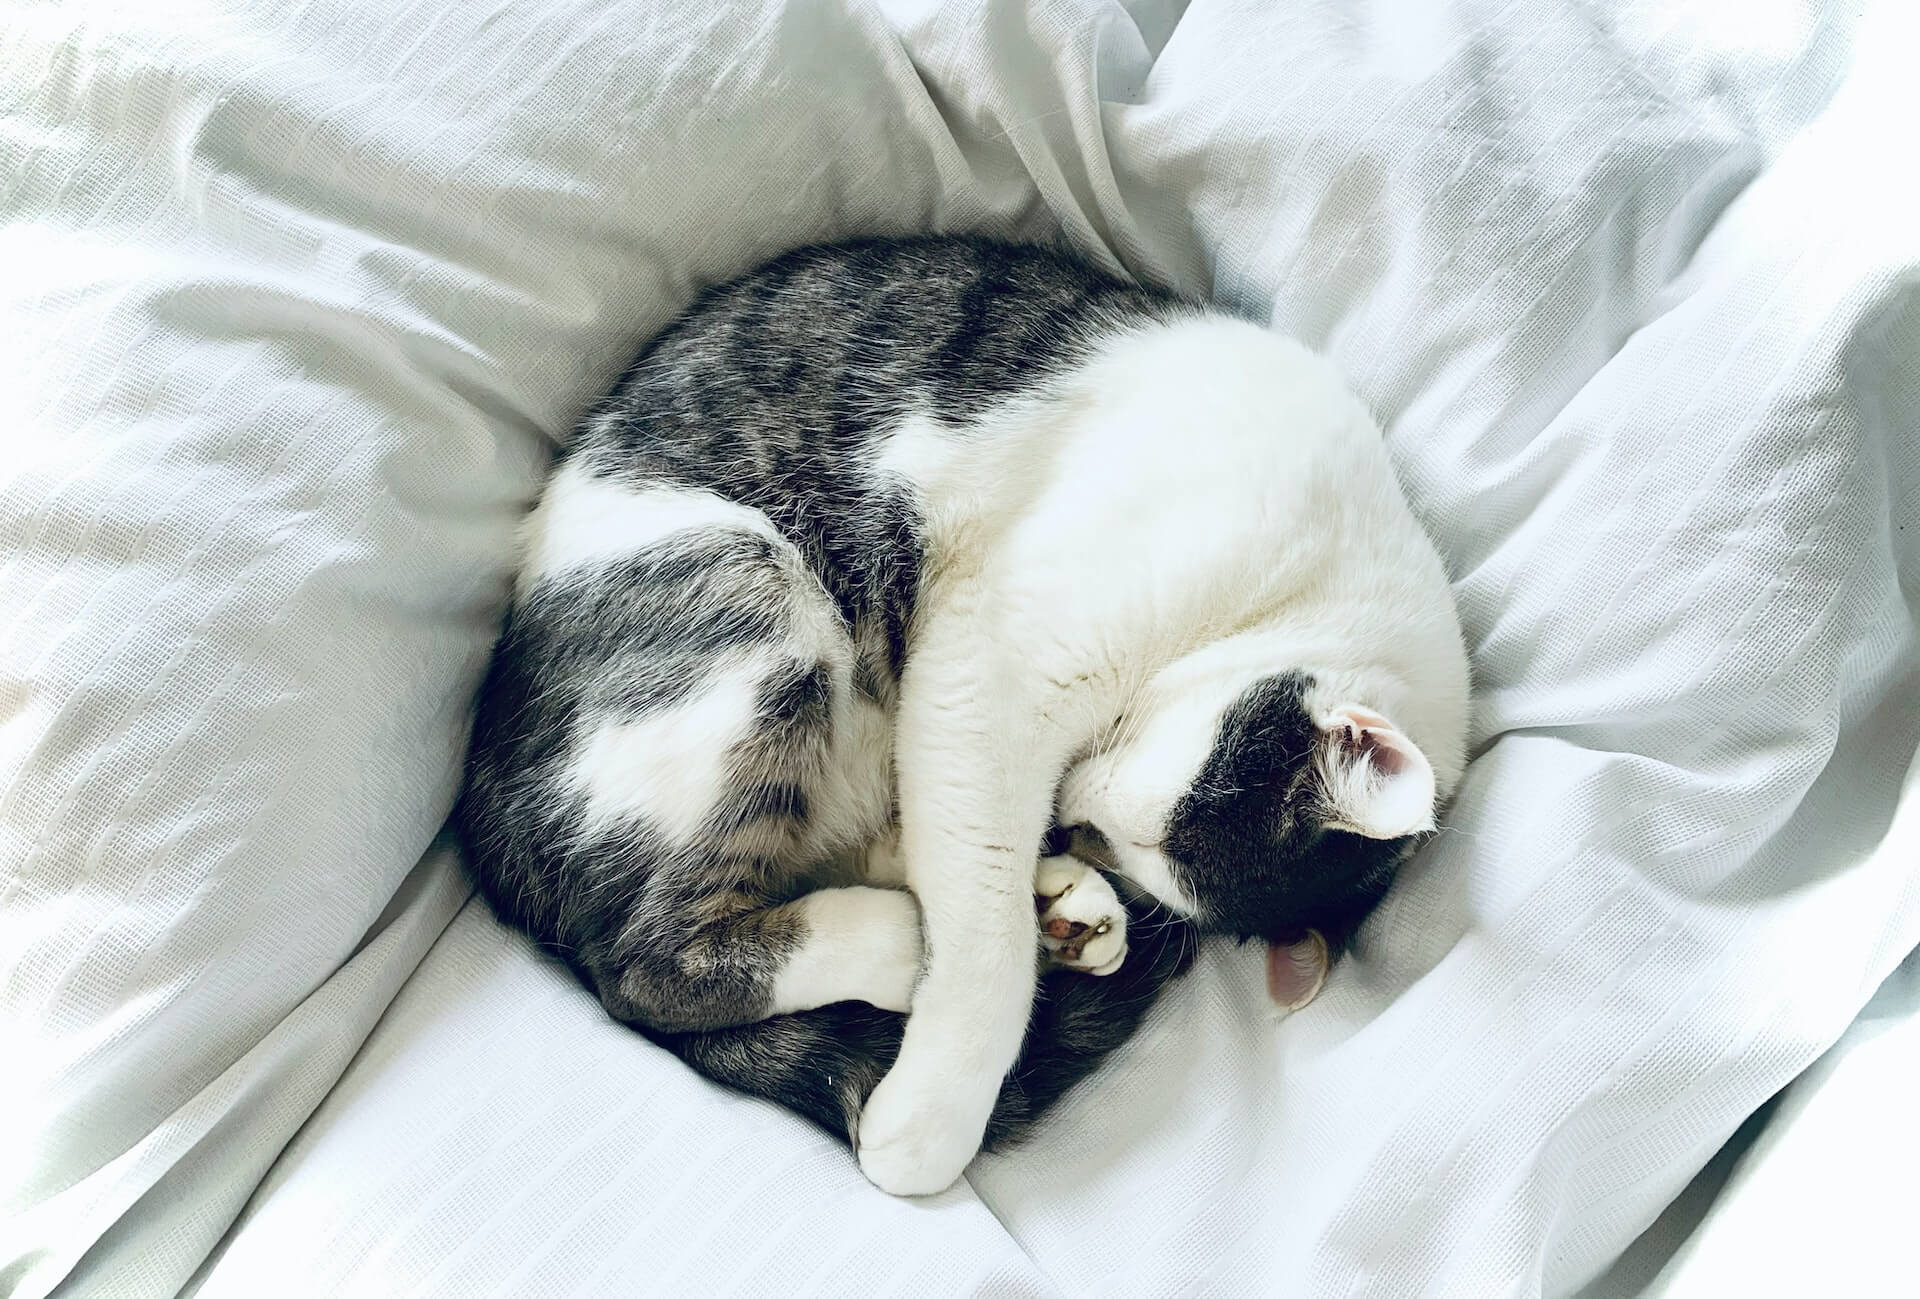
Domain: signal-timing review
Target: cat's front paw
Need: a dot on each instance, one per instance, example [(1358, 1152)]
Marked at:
[(914, 1140), (1083, 926)]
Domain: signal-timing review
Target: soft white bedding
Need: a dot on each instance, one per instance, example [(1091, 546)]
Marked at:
[(1822, 1202), (295, 296), (1814, 1195)]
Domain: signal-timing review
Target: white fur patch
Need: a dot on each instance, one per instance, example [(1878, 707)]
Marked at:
[(584, 520), (862, 944), (919, 452), (668, 767)]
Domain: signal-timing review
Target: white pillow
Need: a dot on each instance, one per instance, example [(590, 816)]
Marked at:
[(294, 299)]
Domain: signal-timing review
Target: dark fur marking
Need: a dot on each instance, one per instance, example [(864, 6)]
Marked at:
[(1255, 802), (784, 801), (803, 696)]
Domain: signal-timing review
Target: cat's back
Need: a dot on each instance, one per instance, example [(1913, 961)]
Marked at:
[(1227, 448), (814, 355), (1217, 476)]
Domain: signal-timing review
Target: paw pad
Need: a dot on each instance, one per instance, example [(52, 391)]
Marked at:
[(1082, 923)]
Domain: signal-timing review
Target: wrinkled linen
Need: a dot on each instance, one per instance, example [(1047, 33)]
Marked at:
[(298, 295)]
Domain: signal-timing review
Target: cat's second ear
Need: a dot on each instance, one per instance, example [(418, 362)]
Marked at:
[(1376, 781), (1296, 971)]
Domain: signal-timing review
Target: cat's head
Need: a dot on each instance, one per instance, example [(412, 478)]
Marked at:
[(1267, 809)]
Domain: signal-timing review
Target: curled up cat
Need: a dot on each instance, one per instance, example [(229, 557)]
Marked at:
[(922, 619)]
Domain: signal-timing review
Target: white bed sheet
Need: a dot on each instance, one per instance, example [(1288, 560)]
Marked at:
[(1822, 1201), (1813, 1195), (1634, 287)]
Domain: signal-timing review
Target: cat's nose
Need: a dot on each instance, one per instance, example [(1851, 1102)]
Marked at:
[(1089, 845)]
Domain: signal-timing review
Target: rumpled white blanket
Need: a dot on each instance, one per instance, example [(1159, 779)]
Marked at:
[(296, 295)]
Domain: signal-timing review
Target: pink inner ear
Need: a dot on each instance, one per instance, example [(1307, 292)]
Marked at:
[(1372, 736), (1378, 783), (1383, 754), (1355, 716), (1296, 971)]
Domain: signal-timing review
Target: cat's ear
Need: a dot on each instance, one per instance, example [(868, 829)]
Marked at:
[(1376, 781), (1296, 971)]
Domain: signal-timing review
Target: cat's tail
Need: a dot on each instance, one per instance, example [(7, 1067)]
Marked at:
[(824, 1063)]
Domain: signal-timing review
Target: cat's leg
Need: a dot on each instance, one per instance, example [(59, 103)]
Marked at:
[(882, 863), (729, 961), (720, 938), (978, 756), (860, 944), (720, 757), (1083, 924)]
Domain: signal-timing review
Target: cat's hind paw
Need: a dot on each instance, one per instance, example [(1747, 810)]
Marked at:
[(1083, 926)]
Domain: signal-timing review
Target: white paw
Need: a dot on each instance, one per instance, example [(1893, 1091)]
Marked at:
[(1082, 924), (914, 1138)]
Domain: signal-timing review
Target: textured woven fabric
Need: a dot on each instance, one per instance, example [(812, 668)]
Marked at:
[(295, 296), (1810, 1195), (1831, 1166)]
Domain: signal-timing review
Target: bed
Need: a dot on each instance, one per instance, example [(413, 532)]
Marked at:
[(296, 299)]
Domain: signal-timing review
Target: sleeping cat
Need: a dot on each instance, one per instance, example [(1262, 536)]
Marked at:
[(890, 562)]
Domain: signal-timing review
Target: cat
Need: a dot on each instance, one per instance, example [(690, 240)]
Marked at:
[(1092, 616)]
